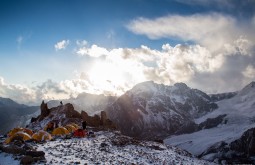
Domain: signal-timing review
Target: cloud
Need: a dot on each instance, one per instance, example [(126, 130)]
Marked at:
[(93, 51), (61, 45), (203, 29), (17, 92), (249, 72), (212, 30)]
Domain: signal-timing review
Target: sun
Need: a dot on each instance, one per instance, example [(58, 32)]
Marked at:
[(106, 78)]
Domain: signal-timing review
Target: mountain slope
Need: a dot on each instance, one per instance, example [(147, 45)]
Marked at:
[(154, 111), (113, 148), (14, 114), (212, 143)]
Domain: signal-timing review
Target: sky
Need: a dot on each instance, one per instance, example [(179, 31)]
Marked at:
[(57, 49)]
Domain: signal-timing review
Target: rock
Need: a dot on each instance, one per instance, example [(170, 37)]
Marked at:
[(13, 149), (91, 121), (35, 153), (103, 117), (44, 110), (61, 115), (26, 160)]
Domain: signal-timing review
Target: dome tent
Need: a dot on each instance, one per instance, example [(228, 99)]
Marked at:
[(75, 125), (14, 130), (18, 135), (60, 131), (19, 129), (41, 136), (70, 128), (28, 131)]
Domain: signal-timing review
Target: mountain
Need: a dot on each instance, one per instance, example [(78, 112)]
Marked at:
[(232, 140), (14, 114), (155, 111)]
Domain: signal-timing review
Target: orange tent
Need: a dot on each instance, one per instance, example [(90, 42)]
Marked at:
[(75, 125), (41, 136), (24, 136), (14, 130), (60, 131), (28, 131), (70, 128)]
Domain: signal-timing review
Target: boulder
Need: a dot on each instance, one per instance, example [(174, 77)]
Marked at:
[(26, 160)]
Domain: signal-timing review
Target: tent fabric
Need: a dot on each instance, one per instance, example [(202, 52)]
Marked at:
[(28, 131), (75, 125), (70, 128), (60, 131), (24, 136), (80, 133), (41, 136), (14, 131)]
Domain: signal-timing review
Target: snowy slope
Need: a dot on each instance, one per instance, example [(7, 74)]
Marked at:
[(112, 148), (240, 116)]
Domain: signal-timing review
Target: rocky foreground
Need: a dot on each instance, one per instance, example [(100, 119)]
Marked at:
[(107, 148)]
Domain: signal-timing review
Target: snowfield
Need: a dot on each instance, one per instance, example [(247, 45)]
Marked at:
[(113, 148), (240, 116)]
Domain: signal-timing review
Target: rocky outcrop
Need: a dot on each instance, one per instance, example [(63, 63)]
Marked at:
[(96, 121), (45, 111), (93, 121), (62, 115), (222, 96), (212, 122), (240, 151), (24, 151)]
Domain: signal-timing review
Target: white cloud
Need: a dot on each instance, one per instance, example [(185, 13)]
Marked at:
[(93, 51), (17, 92), (249, 72), (61, 45), (211, 30)]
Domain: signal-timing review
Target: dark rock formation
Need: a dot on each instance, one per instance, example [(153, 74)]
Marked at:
[(222, 96), (212, 122), (240, 151), (45, 111), (61, 115), (93, 121), (96, 121)]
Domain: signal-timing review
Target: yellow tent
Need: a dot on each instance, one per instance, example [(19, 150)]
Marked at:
[(14, 130), (28, 131), (18, 129), (24, 136), (75, 125), (70, 128), (60, 131), (41, 136)]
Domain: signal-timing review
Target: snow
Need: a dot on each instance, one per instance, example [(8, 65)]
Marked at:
[(6, 159), (240, 117), (101, 149)]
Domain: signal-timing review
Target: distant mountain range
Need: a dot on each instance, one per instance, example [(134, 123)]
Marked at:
[(214, 127), (14, 114)]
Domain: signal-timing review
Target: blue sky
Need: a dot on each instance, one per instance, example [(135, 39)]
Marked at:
[(54, 48)]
